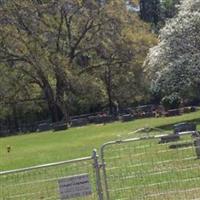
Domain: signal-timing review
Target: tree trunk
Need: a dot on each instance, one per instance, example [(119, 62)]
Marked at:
[(61, 87), (60, 91), (54, 108), (108, 82), (16, 125), (56, 112)]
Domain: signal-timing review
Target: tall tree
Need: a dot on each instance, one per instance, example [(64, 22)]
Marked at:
[(51, 44), (123, 55), (173, 65), (58, 45)]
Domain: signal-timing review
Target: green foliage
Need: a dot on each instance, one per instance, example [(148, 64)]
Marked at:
[(171, 102), (173, 65), (72, 54)]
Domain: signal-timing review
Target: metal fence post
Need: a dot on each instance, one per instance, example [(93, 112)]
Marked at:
[(104, 171), (98, 176)]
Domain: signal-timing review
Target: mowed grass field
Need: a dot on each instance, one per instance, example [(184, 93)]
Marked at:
[(142, 169), (41, 148)]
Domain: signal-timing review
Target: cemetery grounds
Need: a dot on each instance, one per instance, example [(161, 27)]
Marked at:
[(135, 168)]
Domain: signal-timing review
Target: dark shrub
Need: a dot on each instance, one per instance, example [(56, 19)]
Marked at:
[(171, 102)]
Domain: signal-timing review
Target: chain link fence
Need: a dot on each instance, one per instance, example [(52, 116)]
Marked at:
[(150, 167), (42, 182)]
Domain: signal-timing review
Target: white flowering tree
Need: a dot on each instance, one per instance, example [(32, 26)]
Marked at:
[(173, 66)]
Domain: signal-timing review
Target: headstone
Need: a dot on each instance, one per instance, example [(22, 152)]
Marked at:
[(188, 109), (92, 119), (181, 145), (127, 117), (145, 111), (169, 138), (4, 133), (197, 147), (173, 112), (100, 119), (60, 126), (193, 109), (106, 118), (44, 127), (183, 127), (79, 122), (125, 111)]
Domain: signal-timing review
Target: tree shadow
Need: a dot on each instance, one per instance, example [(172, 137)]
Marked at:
[(169, 127)]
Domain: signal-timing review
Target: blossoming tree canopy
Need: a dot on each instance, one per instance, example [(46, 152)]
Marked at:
[(173, 65)]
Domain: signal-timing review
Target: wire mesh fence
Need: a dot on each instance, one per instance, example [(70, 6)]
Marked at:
[(42, 182), (149, 169)]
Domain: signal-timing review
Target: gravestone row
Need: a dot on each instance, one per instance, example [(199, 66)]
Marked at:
[(190, 128)]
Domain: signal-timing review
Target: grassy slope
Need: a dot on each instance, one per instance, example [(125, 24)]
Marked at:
[(39, 148)]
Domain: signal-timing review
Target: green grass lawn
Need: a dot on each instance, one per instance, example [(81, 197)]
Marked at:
[(136, 170), (40, 148)]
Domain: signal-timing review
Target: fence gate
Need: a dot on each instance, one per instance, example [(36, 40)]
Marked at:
[(150, 169), (47, 181)]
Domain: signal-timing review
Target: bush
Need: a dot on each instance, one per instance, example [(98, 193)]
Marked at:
[(171, 102)]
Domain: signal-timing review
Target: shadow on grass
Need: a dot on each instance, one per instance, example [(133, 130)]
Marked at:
[(169, 127)]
